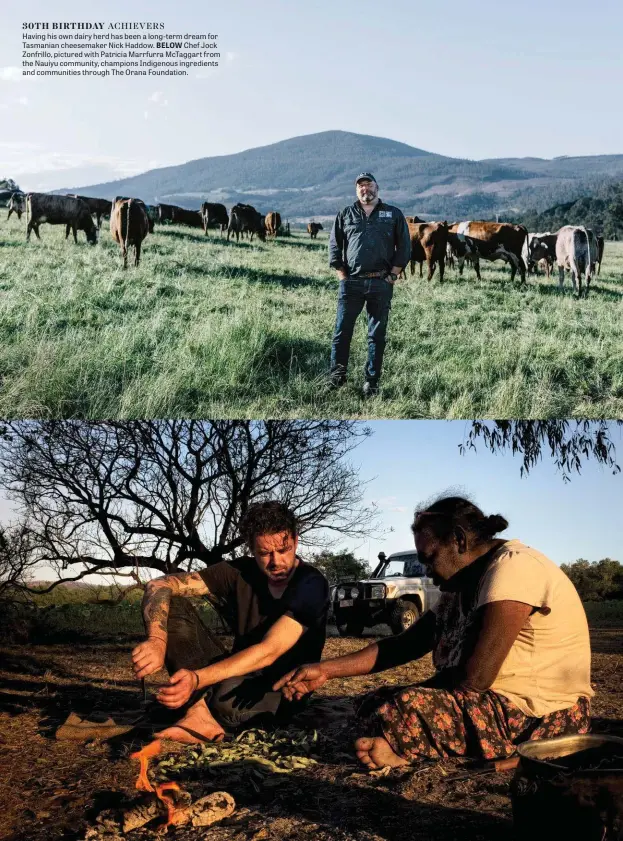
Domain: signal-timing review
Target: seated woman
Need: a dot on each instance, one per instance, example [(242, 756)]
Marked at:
[(510, 646)]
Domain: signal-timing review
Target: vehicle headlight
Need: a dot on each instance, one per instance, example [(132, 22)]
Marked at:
[(354, 592), (341, 593), (377, 591)]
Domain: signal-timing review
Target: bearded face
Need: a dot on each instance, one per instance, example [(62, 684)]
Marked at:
[(367, 191)]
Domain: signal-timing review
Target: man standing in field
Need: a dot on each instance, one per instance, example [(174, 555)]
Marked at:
[(369, 247), (277, 607)]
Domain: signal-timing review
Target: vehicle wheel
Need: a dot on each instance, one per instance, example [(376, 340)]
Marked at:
[(403, 615)]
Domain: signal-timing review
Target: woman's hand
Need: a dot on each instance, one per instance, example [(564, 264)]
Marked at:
[(301, 681), (179, 689)]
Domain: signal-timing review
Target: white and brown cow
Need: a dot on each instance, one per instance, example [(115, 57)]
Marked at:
[(17, 205), (489, 241), (573, 253)]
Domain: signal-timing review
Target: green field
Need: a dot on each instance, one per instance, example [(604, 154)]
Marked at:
[(209, 329)]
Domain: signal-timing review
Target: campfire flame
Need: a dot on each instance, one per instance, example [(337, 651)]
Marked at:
[(143, 756), (143, 784)]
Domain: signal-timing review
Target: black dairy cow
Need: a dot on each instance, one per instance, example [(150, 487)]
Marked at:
[(192, 218), (214, 215), (98, 207), (244, 217), (59, 210)]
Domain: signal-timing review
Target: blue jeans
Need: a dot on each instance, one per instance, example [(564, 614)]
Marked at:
[(376, 293)]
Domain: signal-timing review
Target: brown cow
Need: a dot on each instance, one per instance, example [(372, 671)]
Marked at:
[(313, 228), (244, 217), (272, 223), (17, 205), (59, 210), (413, 219), (491, 241), (213, 216), (129, 225), (428, 243)]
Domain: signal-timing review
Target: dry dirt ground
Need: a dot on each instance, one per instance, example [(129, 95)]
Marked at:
[(52, 790)]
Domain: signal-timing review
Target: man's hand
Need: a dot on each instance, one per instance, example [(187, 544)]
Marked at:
[(301, 681), (178, 690), (342, 274), (148, 657)]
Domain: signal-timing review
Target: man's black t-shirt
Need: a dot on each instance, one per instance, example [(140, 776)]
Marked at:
[(239, 591)]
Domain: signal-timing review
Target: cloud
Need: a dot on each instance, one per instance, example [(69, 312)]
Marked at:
[(10, 74)]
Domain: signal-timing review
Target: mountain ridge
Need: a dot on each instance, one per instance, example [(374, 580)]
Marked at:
[(314, 175)]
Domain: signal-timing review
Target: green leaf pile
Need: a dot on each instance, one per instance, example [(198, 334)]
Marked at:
[(257, 753)]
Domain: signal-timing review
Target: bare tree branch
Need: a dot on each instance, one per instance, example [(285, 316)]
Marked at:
[(168, 495)]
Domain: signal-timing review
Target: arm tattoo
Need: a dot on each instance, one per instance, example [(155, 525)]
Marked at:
[(156, 610)]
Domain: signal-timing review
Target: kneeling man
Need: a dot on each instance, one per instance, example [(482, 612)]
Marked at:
[(277, 607)]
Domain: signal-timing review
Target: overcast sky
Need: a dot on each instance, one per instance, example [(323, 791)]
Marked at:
[(407, 462), (477, 80)]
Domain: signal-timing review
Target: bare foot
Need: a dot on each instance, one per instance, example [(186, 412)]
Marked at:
[(376, 753), (198, 718)]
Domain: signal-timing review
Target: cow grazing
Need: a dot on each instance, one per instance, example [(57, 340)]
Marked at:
[(244, 217), (594, 250), (192, 218), (573, 252), (428, 243), (540, 247), (601, 243), (97, 207), (166, 212), (490, 241), (152, 216), (413, 219), (59, 210), (313, 228), (272, 223), (214, 216), (129, 225), (17, 205)]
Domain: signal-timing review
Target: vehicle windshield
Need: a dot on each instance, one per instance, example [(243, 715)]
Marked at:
[(407, 565)]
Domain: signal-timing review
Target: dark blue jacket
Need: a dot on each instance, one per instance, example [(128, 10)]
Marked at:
[(362, 244)]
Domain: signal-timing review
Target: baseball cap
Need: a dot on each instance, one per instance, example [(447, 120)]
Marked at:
[(366, 175)]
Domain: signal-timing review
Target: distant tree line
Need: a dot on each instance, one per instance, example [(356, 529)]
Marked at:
[(602, 211), (598, 581)]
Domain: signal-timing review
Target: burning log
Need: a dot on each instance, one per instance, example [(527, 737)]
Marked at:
[(203, 812), (172, 802)]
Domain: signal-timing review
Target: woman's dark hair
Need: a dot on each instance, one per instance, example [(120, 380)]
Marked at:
[(269, 517), (444, 515)]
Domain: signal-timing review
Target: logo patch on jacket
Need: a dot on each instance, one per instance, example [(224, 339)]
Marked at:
[(385, 214)]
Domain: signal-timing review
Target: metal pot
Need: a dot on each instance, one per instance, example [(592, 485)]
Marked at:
[(544, 758), (567, 788)]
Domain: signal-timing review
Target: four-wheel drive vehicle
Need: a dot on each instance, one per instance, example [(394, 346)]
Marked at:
[(398, 593)]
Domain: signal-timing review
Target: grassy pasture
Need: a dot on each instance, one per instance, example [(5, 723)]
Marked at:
[(209, 329)]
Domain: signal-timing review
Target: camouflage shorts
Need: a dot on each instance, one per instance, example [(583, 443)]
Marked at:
[(419, 721)]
